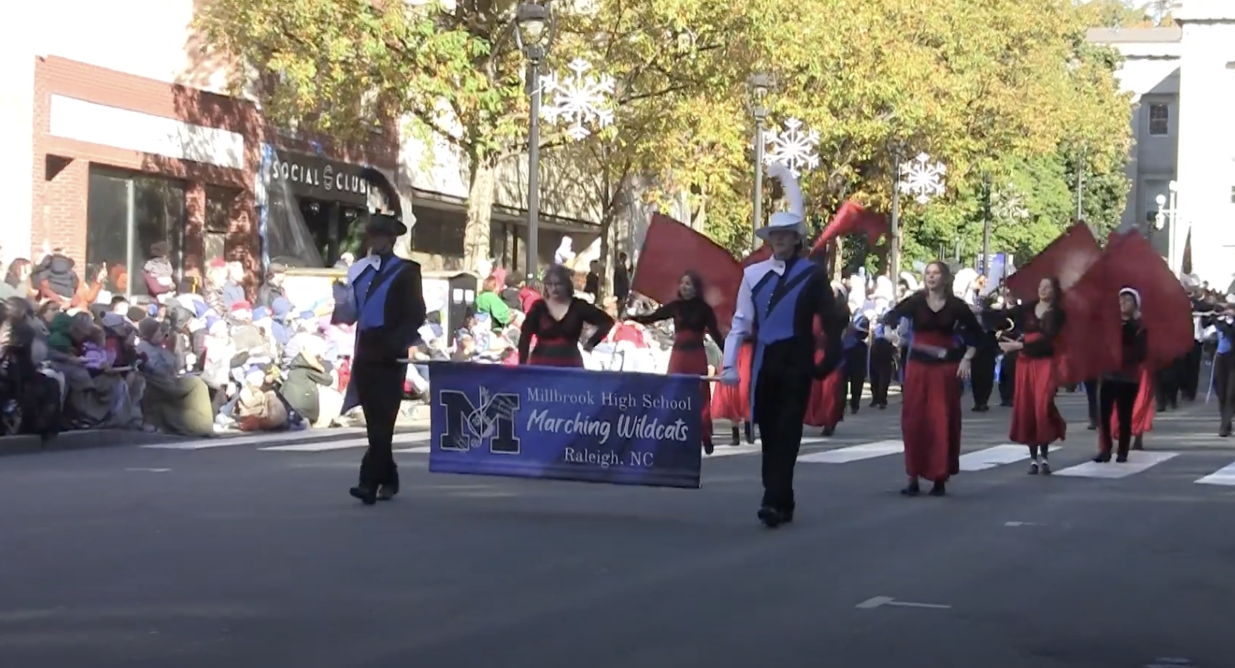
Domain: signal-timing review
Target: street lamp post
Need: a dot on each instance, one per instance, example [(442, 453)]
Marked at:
[(534, 32), (759, 85)]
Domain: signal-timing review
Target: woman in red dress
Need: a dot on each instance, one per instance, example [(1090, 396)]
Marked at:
[(732, 402), (827, 395), (557, 323), (931, 395), (1036, 420), (692, 318)]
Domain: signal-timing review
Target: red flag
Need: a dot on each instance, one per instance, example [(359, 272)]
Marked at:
[(670, 249), (1089, 346), (852, 219), (1066, 259), (1166, 311)]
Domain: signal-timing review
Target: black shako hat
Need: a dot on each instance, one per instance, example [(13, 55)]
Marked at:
[(384, 224)]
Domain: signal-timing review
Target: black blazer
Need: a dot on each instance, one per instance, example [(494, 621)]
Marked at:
[(405, 314)]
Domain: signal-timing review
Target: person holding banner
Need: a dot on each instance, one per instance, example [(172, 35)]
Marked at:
[(692, 319), (557, 323), (384, 299), (1036, 421), (1118, 390), (931, 398), (777, 303)]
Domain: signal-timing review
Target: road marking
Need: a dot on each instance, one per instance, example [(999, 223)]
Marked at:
[(854, 453), (326, 446), (1138, 462), (880, 601), (1223, 476), (149, 470), (731, 450), (996, 456), (254, 439)]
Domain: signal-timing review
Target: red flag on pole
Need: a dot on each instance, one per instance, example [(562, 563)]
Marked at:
[(670, 249), (1089, 344), (1067, 258), (852, 219), (1166, 311)]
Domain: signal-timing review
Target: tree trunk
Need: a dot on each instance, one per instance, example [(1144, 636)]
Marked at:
[(838, 262), (606, 251), (480, 196)]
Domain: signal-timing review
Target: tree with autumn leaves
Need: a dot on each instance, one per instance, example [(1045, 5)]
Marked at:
[(1008, 94)]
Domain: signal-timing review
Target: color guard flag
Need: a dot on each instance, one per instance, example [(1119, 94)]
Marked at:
[(1089, 345), (1067, 258), (670, 249), (853, 219), (1166, 311)]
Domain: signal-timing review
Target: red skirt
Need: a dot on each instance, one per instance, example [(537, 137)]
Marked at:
[(1035, 418), (931, 420), (733, 402), (694, 362), (827, 401), (1143, 411), (555, 352)]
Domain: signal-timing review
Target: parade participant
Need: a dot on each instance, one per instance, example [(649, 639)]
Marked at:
[(383, 298), (1224, 364), (882, 346), (931, 398), (1036, 421), (777, 303), (557, 323), (732, 402), (856, 342), (826, 407), (1118, 389), (692, 318), (1143, 413), (982, 383)]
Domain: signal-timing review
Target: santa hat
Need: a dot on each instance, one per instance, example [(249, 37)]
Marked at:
[(218, 263), (241, 306), (793, 220), (1136, 296)]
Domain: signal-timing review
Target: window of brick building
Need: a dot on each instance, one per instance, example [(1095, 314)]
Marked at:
[(127, 214), (220, 204)]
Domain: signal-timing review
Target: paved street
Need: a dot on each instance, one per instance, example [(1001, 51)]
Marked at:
[(249, 553)]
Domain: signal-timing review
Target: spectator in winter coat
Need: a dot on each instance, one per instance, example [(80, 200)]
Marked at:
[(158, 271)]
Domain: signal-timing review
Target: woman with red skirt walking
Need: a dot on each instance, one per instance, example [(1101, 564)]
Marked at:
[(692, 318), (1036, 421), (556, 323), (732, 402), (931, 401)]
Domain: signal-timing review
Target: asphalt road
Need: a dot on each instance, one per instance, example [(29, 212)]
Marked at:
[(239, 557)]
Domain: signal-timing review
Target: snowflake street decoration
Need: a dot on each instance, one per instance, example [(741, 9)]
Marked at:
[(922, 178), (793, 148), (579, 100), (1008, 206)]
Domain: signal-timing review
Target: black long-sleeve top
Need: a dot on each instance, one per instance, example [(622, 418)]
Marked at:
[(561, 337), (1134, 345), (405, 314), (955, 318), (1024, 317), (692, 318)]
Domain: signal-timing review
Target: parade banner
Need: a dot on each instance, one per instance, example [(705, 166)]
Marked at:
[(565, 424)]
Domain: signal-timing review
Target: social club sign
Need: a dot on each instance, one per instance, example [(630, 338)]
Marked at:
[(318, 178)]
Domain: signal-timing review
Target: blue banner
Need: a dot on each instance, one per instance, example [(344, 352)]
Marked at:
[(565, 424)]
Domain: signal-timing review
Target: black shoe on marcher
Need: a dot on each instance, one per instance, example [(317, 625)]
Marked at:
[(737, 438), (771, 517), (1045, 467), (1224, 431), (1102, 458), (366, 493), (939, 489), (750, 433), (828, 431), (708, 448), (387, 492), (1033, 468), (912, 489)]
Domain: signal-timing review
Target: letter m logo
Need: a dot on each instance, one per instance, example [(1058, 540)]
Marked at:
[(470, 426)]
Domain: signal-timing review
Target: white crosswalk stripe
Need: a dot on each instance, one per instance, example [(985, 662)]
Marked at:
[(816, 450)]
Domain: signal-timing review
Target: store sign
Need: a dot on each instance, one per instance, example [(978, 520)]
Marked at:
[(318, 178)]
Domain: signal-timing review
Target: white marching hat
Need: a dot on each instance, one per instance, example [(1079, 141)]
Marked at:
[(793, 220)]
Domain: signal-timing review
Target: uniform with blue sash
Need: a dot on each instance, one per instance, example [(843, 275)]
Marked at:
[(1224, 369), (384, 300), (776, 307)]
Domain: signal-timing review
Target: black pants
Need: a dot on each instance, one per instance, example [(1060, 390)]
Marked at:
[(882, 356), (1091, 396), (982, 371), (1166, 386), (379, 387), (1191, 370), (780, 408), (855, 374), (1118, 397), (1007, 378), (1224, 386)]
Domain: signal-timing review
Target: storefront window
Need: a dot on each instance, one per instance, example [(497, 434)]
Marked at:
[(127, 214), (220, 202), (314, 210)]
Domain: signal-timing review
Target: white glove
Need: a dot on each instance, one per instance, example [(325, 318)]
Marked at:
[(730, 377), (777, 170)]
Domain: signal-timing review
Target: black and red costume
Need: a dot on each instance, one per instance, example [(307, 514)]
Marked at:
[(557, 341), (692, 318)]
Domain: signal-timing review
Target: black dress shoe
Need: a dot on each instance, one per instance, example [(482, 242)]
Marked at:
[(708, 447), (828, 431), (1225, 431), (939, 489), (387, 492), (1102, 458), (883, 407), (1121, 458), (750, 433), (1093, 426), (737, 438), (912, 489), (366, 493), (771, 517)]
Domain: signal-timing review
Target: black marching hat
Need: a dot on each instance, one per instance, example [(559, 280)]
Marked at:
[(384, 224)]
